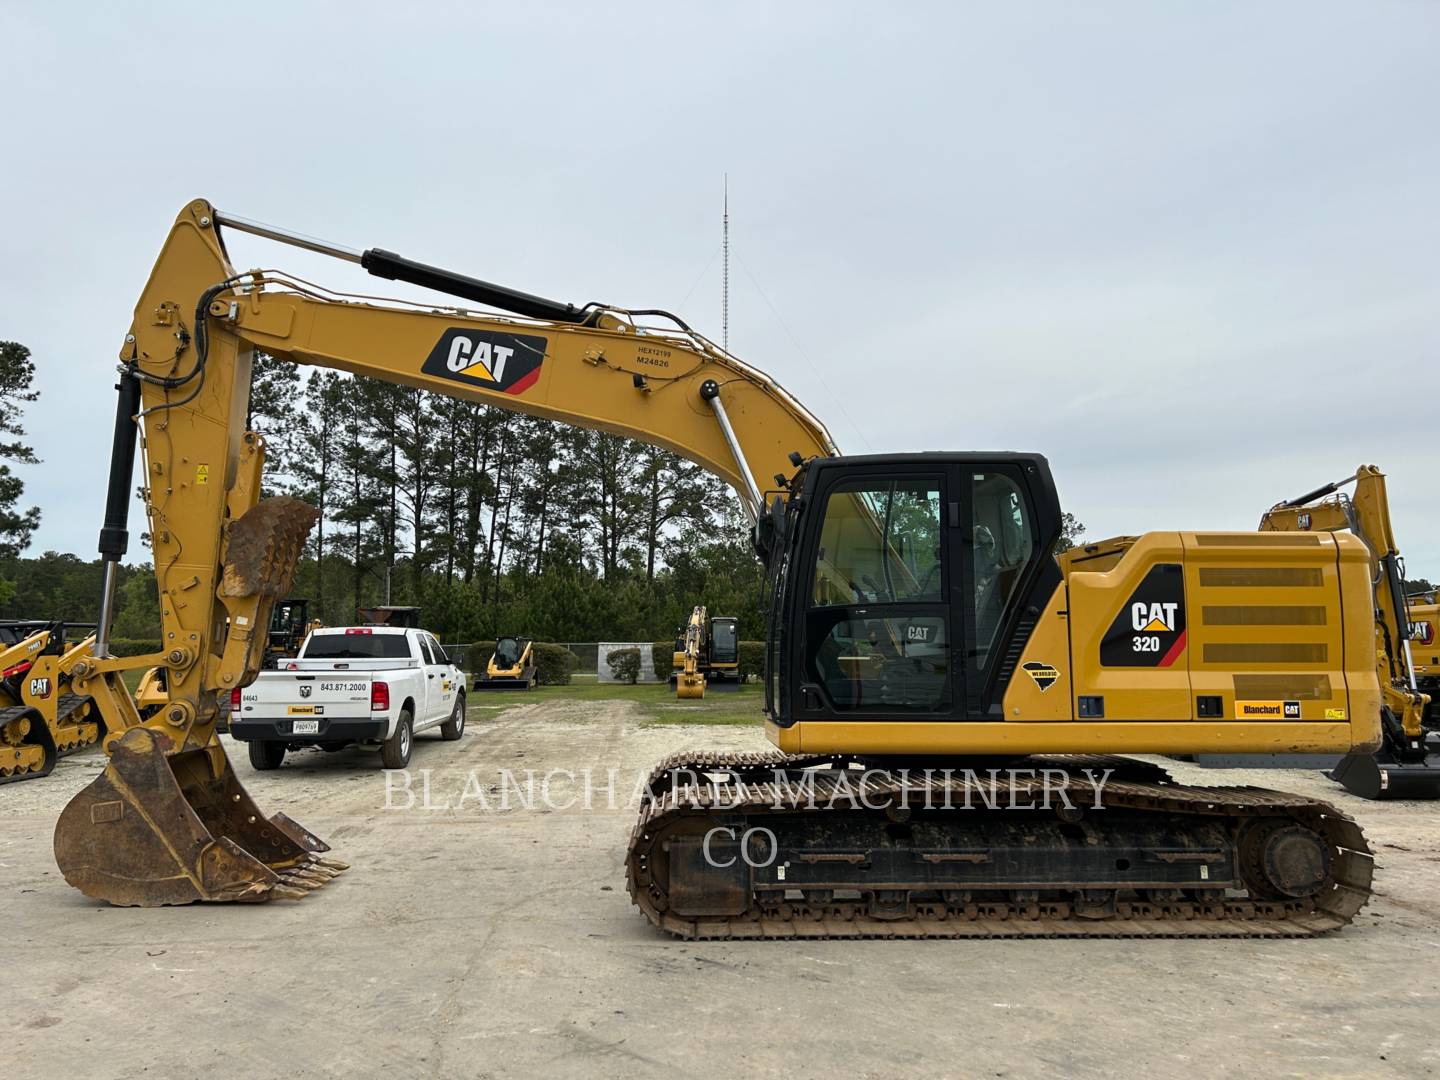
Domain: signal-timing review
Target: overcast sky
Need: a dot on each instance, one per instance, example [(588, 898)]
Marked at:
[(1189, 251)]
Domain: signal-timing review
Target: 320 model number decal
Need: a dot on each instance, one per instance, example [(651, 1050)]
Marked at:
[(1149, 631)]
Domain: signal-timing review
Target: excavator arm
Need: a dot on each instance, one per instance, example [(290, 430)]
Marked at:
[(168, 822), (1402, 767)]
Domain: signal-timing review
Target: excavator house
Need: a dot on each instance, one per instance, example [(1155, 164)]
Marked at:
[(924, 645)]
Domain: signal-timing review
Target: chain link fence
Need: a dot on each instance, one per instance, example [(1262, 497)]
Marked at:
[(590, 658)]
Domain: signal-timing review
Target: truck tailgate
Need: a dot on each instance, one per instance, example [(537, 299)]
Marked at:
[(279, 694)]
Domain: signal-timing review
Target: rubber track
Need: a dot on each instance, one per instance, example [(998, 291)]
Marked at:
[(751, 787)]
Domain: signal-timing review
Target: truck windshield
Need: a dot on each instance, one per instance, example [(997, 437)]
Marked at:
[(342, 646)]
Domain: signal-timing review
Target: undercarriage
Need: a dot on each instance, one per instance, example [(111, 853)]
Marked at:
[(769, 845)]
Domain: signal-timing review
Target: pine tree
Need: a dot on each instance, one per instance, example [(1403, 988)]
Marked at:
[(17, 376)]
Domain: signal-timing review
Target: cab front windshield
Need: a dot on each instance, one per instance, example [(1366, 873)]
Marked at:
[(723, 644)]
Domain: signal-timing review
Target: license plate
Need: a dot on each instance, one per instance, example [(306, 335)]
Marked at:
[(305, 727)]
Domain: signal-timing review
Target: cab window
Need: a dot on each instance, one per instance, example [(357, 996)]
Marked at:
[(880, 543), (878, 628), (1004, 540)]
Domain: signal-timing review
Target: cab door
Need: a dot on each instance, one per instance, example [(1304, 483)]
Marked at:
[(1005, 575), (429, 703), (920, 582), (445, 684), (880, 635)]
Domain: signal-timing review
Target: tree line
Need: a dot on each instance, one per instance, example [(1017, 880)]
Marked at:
[(492, 522)]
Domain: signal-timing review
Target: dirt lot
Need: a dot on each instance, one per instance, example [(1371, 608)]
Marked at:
[(474, 943)]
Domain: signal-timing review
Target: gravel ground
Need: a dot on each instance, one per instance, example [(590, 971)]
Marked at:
[(475, 941)]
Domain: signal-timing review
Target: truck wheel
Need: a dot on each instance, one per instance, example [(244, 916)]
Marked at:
[(267, 755), (453, 728), (395, 751)]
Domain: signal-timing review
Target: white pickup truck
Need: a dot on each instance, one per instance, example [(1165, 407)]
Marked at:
[(348, 685)]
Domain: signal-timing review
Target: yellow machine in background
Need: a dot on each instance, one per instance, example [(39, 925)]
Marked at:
[(916, 617), (1425, 654), (689, 677), (290, 625), (1402, 766), (510, 667), (41, 717), (707, 654)]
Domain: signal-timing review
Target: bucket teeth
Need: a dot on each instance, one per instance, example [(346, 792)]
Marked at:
[(314, 873), (264, 547)]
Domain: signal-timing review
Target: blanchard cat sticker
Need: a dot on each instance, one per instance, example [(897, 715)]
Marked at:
[(509, 363), (1267, 710), (1149, 631), (1043, 674)]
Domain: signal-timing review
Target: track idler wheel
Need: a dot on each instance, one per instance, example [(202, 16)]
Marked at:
[(157, 828)]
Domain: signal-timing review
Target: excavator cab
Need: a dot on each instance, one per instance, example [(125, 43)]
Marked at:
[(910, 575), (723, 660)]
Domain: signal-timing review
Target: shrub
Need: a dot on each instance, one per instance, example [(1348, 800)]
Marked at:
[(663, 654), (624, 665), (752, 659), (553, 664)]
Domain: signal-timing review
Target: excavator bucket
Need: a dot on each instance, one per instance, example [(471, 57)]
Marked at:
[(167, 824), (689, 686), (1380, 776), (157, 828)]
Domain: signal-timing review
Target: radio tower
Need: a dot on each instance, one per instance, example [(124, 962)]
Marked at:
[(725, 271)]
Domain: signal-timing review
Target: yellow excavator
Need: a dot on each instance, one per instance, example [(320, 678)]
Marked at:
[(689, 676), (290, 625), (1403, 766), (1425, 651), (707, 654), (42, 717), (927, 655)]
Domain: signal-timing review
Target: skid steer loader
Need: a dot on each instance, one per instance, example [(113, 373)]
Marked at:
[(510, 667), (41, 717)]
